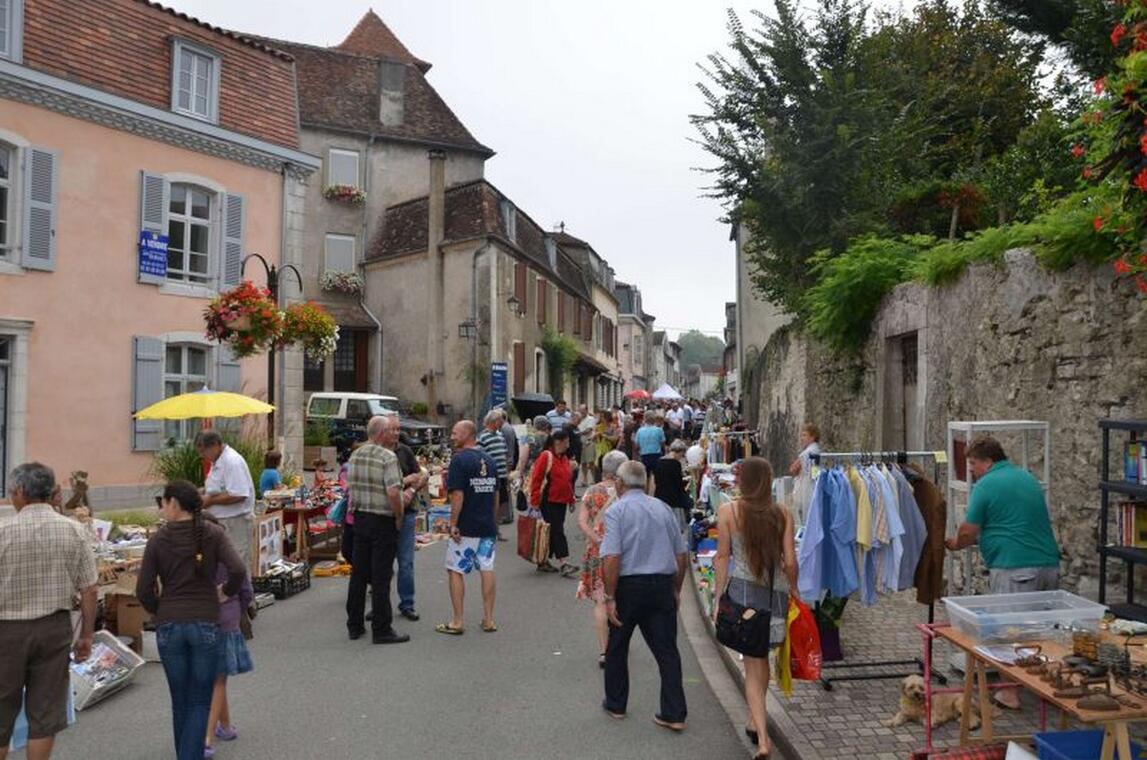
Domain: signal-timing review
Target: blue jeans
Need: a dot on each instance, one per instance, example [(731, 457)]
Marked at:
[(406, 562), (190, 656)]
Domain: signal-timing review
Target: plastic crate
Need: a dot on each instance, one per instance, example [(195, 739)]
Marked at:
[(1021, 617), (282, 586), (1075, 745)]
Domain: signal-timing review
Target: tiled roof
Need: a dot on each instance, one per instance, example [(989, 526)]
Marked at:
[(253, 41), (566, 239), (372, 38), (473, 209)]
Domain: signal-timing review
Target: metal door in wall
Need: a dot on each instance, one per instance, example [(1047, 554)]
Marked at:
[(5, 366)]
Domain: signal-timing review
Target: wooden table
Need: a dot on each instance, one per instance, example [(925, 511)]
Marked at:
[(1116, 737)]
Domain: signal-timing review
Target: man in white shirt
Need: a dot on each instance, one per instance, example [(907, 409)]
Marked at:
[(229, 493), (676, 419)]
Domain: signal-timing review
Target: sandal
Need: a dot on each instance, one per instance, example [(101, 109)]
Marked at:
[(546, 567), (489, 627), (754, 737), (569, 571), (601, 660), (449, 629)]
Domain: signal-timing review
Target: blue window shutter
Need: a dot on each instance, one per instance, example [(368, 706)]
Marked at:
[(147, 389), (40, 183), (154, 200), (229, 375), (231, 269)]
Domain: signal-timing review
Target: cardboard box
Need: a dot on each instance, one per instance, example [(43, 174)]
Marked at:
[(130, 617)]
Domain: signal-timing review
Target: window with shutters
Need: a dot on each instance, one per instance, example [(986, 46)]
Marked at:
[(340, 253), (577, 318), (520, 287), (194, 81), (543, 301), (184, 371), (342, 167), (540, 372), (7, 198), (561, 311), (519, 367), (11, 29), (189, 225)]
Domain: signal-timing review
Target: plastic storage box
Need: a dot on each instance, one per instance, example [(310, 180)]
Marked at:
[(1075, 745), (1021, 617)]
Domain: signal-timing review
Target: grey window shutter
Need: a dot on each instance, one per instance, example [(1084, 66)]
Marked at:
[(154, 200), (229, 376), (231, 270), (147, 388), (40, 183)]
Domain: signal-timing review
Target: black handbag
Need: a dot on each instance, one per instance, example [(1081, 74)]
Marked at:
[(744, 629)]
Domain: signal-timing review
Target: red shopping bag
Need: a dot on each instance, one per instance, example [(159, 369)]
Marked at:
[(527, 532), (804, 644)]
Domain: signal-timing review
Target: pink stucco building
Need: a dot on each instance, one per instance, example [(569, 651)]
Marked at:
[(178, 129)]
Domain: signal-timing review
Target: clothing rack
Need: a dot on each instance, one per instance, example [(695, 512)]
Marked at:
[(826, 680)]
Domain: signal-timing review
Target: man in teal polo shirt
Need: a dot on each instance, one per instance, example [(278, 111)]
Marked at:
[(1007, 515)]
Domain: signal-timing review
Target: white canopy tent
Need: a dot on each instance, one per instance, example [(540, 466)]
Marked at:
[(667, 393)]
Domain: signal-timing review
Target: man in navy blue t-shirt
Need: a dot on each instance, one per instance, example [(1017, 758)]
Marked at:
[(472, 481)]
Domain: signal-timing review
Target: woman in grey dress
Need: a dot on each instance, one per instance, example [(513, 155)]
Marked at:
[(757, 535)]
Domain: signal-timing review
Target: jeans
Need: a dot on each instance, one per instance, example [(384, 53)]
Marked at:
[(375, 548), (406, 562), (647, 602), (190, 656)]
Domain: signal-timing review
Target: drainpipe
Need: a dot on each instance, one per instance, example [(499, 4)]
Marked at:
[(474, 324), (376, 385), (279, 420)]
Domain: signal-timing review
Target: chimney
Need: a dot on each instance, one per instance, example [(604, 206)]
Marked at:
[(436, 231), (391, 91)]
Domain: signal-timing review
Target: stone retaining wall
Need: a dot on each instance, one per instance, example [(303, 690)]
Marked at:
[(1010, 342)]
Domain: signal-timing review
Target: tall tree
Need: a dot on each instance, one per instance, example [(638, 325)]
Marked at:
[(1079, 27), (702, 349)]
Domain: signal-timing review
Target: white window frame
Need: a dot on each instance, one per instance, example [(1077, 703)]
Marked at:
[(10, 258), (185, 429), (12, 187), (334, 237), (343, 152), (214, 212), (178, 48), (12, 41), (18, 331)]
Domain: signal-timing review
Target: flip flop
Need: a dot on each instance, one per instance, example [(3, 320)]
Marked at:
[(449, 629), (489, 628)]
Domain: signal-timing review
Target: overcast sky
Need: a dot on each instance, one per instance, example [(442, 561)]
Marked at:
[(586, 104)]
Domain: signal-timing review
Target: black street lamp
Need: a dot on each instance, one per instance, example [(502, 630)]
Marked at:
[(273, 274)]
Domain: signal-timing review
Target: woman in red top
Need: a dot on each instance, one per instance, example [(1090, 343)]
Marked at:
[(552, 487)]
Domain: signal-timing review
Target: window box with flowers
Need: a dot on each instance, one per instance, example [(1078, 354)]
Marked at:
[(341, 282), (348, 194), (245, 318)]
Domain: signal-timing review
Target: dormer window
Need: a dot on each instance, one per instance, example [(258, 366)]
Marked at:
[(552, 252), (194, 81), (510, 220), (11, 27)]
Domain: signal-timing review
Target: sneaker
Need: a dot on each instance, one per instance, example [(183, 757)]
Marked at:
[(208, 751), (390, 637), (226, 733)]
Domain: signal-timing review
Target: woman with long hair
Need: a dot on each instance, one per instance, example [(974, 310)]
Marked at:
[(591, 520), (552, 489), (182, 557), (758, 536)]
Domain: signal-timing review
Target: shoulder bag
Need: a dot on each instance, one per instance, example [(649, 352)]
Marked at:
[(743, 628)]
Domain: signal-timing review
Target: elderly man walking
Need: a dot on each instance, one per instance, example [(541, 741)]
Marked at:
[(374, 483), (645, 559), (229, 493), (45, 560), (494, 443)]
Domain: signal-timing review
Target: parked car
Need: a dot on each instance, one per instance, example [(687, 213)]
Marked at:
[(348, 413)]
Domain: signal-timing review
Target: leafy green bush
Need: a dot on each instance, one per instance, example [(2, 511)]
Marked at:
[(182, 462), (316, 432), (561, 352), (840, 307)]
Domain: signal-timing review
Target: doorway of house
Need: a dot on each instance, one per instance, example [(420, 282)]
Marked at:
[(901, 409)]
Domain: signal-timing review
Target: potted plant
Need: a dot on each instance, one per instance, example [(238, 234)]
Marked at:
[(348, 194), (310, 327), (245, 318), (341, 282), (317, 443)]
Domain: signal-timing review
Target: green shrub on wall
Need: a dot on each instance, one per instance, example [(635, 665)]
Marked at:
[(561, 353)]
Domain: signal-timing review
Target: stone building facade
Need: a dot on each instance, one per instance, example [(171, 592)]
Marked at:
[(1011, 342)]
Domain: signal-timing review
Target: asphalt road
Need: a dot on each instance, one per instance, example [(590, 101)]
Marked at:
[(531, 690)]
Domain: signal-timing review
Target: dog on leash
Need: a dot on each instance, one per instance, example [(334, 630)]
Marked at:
[(945, 707)]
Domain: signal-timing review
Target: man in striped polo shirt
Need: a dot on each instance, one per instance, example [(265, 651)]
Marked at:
[(493, 443)]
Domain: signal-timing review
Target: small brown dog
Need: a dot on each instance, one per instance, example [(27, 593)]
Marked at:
[(945, 707)]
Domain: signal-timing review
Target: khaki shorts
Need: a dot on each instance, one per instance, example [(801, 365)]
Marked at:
[(1015, 580), (241, 531), (35, 660)]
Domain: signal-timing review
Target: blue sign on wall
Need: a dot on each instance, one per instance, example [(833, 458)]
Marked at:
[(152, 253), (499, 372)]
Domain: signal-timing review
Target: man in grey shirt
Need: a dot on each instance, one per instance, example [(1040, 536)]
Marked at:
[(645, 559)]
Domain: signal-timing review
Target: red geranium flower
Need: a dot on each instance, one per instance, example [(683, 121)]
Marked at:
[(1100, 85), (1087, 172), (1143, 144), (1097, 223), (1122, 267), (1141, 180), (1143, 259), (1141, 283), (1078, 150), (1117, 34)]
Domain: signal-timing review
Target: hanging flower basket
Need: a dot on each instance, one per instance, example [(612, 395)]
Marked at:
[(344, 194), (310, 327), (342, 282), (245, 318)]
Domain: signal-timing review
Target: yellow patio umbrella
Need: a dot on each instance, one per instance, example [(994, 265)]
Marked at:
[(203, 403)]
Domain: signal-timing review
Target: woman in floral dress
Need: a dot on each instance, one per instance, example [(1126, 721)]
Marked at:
[(591, 520)]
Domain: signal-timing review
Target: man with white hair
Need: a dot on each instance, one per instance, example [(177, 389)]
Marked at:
[(374, 484), (645, 559), (494, 443)]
